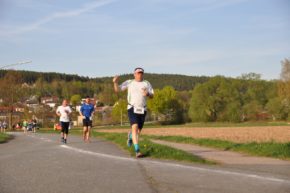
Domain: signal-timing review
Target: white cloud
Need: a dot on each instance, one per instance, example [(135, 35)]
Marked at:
[(58, 15)]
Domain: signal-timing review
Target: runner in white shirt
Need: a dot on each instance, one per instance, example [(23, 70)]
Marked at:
[(138, 90), (64, 112)]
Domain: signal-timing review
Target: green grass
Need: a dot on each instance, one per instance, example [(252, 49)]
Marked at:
[(4, 137), (268, 149), (150, 149)]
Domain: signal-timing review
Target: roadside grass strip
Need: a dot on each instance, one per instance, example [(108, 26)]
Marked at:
[(148, 148), (152, 150), (266, 149), (4, 137)]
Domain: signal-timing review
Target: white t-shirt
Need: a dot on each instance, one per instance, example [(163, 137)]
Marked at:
[(64, 113), (135, 92)]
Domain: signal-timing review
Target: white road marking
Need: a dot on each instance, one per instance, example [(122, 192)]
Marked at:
[(38, 137), (272, 179), (97, 154)]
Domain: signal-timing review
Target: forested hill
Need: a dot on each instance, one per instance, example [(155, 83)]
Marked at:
[(179, 82), (31, 77)]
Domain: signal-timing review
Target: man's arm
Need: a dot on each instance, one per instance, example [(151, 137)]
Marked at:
[(70, 111), (115, 81), (57, 112), (81, 112), (93, 111), (148, 92), (150, 95)]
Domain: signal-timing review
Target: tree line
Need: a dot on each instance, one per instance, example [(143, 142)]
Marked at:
[(246, 98), (178, 98)]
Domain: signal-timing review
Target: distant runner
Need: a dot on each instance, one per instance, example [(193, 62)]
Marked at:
[(138, 90), (5, 125), (86, 112), (1, 126), (64, 112), (25, 125)]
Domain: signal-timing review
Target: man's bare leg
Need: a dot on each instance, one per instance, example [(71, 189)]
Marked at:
[(62, 137), (85, 133), (135, 133), (88, 135), (135, 138)]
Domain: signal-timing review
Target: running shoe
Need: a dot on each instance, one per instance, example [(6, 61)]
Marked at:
[(139, 155)]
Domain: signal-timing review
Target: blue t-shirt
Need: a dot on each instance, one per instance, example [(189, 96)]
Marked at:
[(87, 110)]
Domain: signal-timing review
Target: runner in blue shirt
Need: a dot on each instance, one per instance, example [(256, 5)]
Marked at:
[(86, 112)]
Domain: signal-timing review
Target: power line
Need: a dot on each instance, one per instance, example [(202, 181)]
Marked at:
[(16, 64)]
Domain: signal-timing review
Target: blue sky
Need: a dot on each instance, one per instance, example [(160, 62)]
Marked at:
[(108, 37)]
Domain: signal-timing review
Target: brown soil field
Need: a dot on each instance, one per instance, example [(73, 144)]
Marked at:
[(260, 134)]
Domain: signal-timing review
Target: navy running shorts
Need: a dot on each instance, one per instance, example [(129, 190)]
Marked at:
[(136, 118), (64, 127), (87, 122)]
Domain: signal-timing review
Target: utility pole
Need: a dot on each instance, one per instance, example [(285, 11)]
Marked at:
[(121, 117)]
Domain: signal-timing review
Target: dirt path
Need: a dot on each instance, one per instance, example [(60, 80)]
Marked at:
[(223, 157)]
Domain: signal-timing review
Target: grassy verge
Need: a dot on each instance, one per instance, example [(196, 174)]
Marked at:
[(269, 149), (4, 137), (150, 149)]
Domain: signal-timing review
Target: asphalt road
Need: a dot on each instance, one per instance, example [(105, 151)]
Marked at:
[(39, 163)]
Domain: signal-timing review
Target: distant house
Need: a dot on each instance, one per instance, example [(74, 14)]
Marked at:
[(26, 85), (19, 109), (5, 109), (32, 102), (15, 108), (50, 101), (17, 113)]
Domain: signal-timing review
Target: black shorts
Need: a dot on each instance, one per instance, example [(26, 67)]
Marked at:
[(64, 127), (136, 118), (87, 123)]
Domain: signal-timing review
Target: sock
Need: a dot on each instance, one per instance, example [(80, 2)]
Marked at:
[(130, 136), (136, 146)]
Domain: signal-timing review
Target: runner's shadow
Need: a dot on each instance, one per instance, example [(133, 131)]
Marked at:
[(147, 153)]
